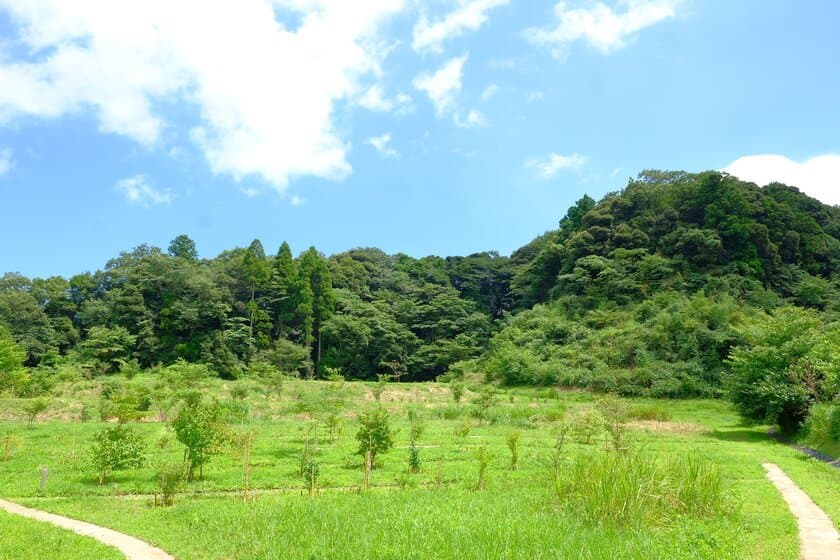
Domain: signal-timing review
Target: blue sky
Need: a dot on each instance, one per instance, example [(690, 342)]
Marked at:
[(445, 127)]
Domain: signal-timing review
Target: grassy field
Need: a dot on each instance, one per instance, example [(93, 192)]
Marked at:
[(436, 513), (24, 539)]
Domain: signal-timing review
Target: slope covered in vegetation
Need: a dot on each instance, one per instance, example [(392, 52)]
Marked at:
[(646, 292), (650, 290)]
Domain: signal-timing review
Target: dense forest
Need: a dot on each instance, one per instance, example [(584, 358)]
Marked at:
[(650, 291)]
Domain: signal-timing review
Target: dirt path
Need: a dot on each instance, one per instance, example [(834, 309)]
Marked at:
[(134, 549), (817, 534)]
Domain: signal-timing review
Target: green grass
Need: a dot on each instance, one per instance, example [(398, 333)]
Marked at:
[(434, 514), (25, 539)]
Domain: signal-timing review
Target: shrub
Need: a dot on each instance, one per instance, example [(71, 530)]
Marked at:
[(462, 430), (512, 440), (586, 423), (486, 398), (169, 479), (381, 382), (239, 391), (34, 407), (374, 435), (834, 422), (483, 457), (416, 430), (116, 448), (781, 371), (457, 387), (202, 428)]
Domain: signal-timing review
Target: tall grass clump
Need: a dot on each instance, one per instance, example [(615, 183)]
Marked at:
[(650, 412), (634, 488)]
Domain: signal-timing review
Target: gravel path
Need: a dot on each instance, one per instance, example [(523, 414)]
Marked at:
[(134, 549), (817, 534)]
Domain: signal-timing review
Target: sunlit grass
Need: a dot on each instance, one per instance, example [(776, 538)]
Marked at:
[(714, 499)]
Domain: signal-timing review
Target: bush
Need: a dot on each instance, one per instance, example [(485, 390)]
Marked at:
[(116, 448), (35, 407), (239, 391), (457, 387), (586, 423), (778, 375), (834, 422), (374, 435), (170, 480), (202, 428)]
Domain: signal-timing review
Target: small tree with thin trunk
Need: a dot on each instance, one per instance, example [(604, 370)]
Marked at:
[(202, 428), (374, 436), (116, 448), (33, 408)]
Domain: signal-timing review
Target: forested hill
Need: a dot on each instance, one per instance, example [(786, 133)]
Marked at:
[(649, 290), (643, 292)]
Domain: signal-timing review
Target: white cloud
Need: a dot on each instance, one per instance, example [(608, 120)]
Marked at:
[(297, 201), (250, 192), (381, 144), (5, 161), (264, 93), (374, 99), (818, 177), (474, 118), (554, 163), (601, 26), (443, 85), (534, 96), (138, 191), (469, 16), (489, 92)]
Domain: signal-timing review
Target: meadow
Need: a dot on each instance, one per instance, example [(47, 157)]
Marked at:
[(593, 477)]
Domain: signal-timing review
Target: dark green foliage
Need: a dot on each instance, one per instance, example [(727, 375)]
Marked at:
[(789, 361), (106, 350), (642, 292)]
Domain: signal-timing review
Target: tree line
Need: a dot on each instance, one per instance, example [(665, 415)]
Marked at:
[(650, 291)]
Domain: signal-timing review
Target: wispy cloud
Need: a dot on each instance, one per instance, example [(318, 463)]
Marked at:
[(603, 27), (138, 191), (473, 118), (297, 201), (443, 85), (250, 192), (375, 99), (551, 165), (818, 177), (5, 161), (381, 144), (489, 92), (469, 16)]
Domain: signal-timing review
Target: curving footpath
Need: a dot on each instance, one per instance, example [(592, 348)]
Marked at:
[(819, 538), (134, 549)]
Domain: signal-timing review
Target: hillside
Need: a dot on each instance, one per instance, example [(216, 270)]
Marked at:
[(649, 290), (642, 292)]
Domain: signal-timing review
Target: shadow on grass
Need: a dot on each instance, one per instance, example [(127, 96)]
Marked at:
[(741, 434)]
